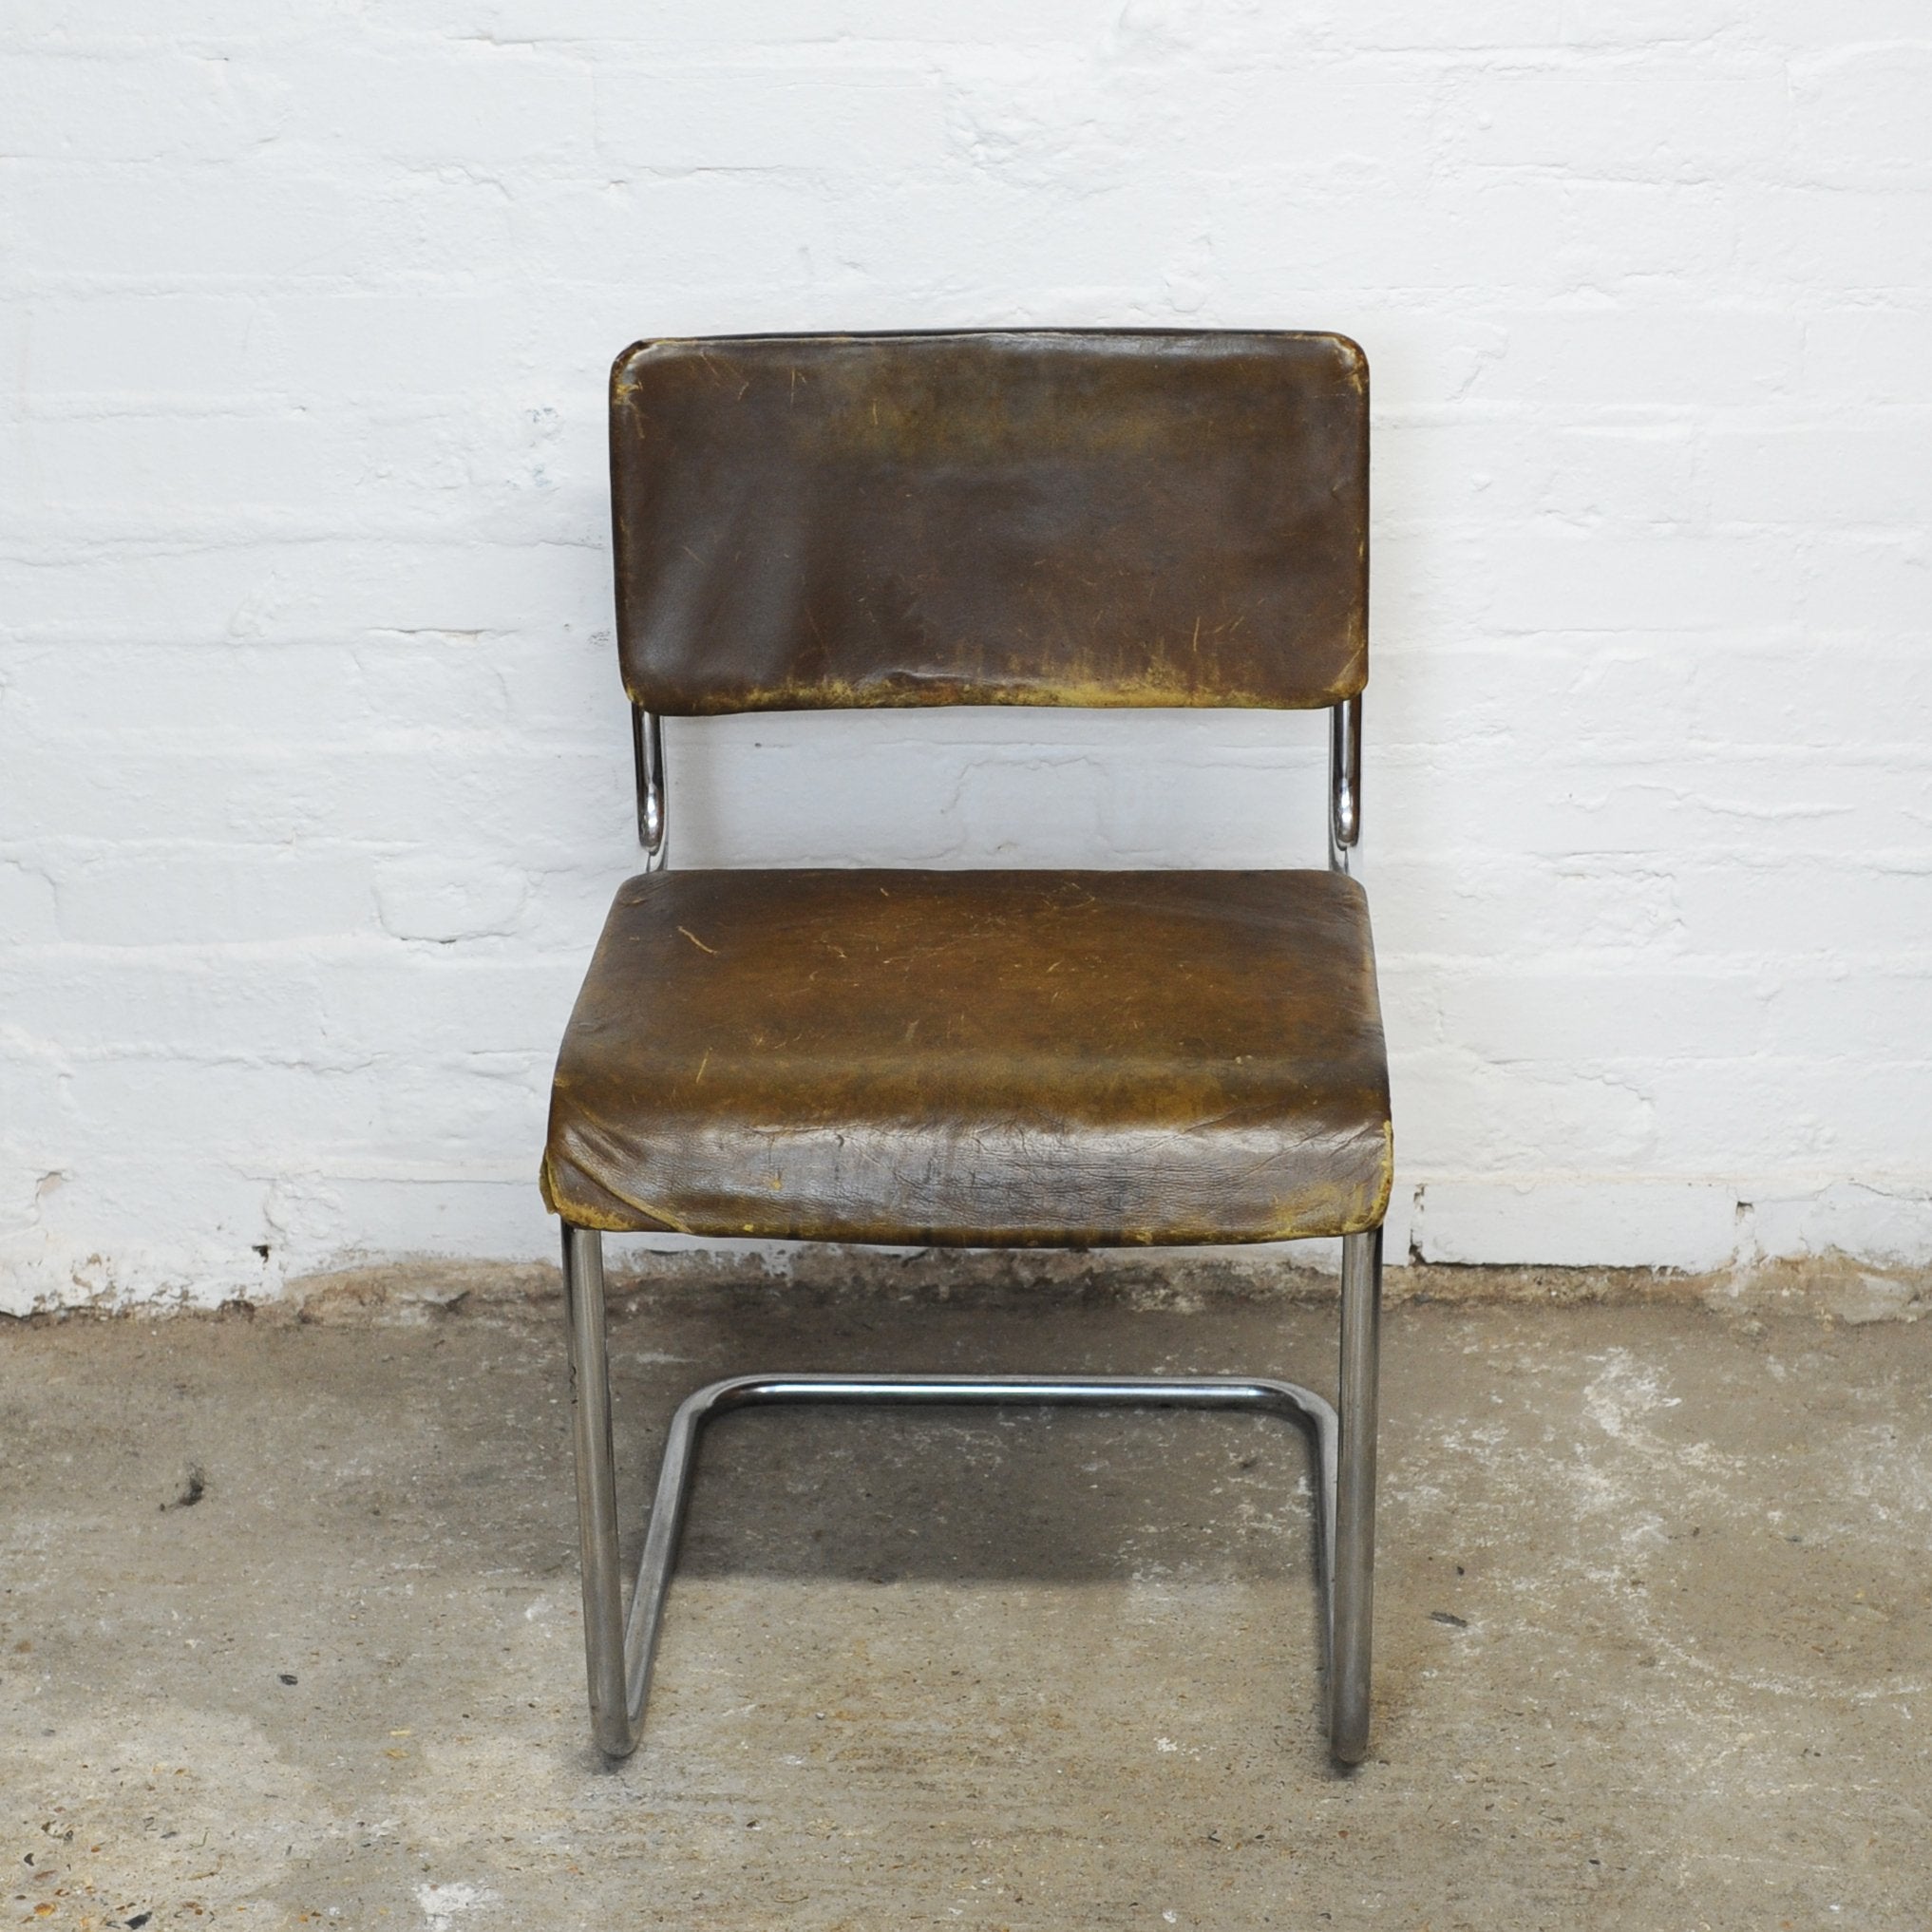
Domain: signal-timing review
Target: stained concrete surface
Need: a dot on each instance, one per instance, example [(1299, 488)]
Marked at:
[(289, 1629)]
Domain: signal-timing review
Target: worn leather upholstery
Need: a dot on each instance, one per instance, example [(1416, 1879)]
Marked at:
[(1044, 518), (998, 1058), (980, 1059)]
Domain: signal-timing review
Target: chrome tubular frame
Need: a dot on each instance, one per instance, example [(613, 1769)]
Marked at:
[(654, 794), (621, 1649), (1344, 780), (1361, 1344), (621, 1646)]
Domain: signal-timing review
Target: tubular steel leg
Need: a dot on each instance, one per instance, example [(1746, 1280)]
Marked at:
[(1354, 1534), (622, 1650), (596, 1488)]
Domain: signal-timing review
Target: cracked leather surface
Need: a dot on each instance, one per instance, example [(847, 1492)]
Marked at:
[(1043, 518), (977, 1058)]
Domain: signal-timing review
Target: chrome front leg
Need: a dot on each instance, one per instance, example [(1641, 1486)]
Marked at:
[(597, 1491), (1354, 1534)]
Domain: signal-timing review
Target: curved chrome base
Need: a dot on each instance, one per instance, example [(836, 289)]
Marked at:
[(622, 1650)]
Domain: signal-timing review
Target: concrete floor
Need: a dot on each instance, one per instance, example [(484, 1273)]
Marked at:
[(289, 1628)]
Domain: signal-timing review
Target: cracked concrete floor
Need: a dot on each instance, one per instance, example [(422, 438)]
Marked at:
[(290, 1629)]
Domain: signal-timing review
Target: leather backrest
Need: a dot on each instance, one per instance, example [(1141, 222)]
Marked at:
[(1009, 517)]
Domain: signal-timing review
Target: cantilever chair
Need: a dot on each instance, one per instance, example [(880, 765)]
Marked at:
[(982, 1058)]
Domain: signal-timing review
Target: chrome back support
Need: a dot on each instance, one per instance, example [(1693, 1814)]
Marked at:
[(1344, 780), (1344, 784), (653, 799)]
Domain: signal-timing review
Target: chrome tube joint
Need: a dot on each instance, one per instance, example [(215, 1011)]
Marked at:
[(1344, 782), (653, 798)]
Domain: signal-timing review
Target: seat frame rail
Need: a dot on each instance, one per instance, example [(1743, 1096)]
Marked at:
[(621, 1646)]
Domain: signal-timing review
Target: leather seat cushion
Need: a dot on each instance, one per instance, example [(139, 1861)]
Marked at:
[(977, 1060)]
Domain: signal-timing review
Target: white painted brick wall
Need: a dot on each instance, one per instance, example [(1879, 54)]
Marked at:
[(315, 766)]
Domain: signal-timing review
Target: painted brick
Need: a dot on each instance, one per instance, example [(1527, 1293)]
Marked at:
[(156, 108), (1860, 114), (1603, 1223), (1519, 1014), (729, 25), (1397, 27), (1639, 802), (1569, 577), (1862, 588), (1814, 1111), (1798, 26), (145, 348), (317, 764), (1883, 1218), (29, 914), (87, 223), (447, 104), (1820, 474), (1808, 908), (1680, 359), (837, 122), (1317, 120), (1859, 356), (1643, 25), (187, 898), (1645, 119), (1828, 243)]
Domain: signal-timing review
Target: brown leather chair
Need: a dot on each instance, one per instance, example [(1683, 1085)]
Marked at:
[(986, 1059)]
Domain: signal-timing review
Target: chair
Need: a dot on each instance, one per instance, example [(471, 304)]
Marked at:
[(982, 1058)]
